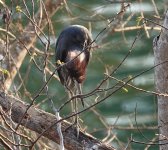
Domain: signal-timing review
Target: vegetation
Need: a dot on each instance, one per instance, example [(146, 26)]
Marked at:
[(119, 92)]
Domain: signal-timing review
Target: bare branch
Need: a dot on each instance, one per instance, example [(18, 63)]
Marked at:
[(19, 49)]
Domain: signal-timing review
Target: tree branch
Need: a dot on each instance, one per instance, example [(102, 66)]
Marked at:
[(38, 121), (21, 46)]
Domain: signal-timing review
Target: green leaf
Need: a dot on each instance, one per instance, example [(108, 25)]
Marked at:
[(125, 89), (18, 9), (138, 20), (4, 71)]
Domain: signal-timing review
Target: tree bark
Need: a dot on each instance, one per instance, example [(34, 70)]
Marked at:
[(38, 121), (160, 46)]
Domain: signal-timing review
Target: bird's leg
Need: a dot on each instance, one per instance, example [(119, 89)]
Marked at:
[(74, 108), (76, 117), (79, 91), (72, 91), (79, 87), (70, 95)]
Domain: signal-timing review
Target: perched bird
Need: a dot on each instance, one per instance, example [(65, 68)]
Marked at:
[(73, 48)]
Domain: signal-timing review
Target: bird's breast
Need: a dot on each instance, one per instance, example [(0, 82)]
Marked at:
[(80, 56), (77, 65)]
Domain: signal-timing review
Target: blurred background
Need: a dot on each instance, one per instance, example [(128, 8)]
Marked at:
[(129, 112)]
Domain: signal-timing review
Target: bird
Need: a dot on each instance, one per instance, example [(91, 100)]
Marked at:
[(73, 49)]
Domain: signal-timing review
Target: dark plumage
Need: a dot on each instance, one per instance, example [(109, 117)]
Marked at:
[(71, 42)]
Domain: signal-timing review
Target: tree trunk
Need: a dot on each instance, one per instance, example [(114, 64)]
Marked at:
[(160, 44), (39, 121)]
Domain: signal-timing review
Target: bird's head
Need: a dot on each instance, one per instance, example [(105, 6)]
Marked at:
[(78, 37)]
